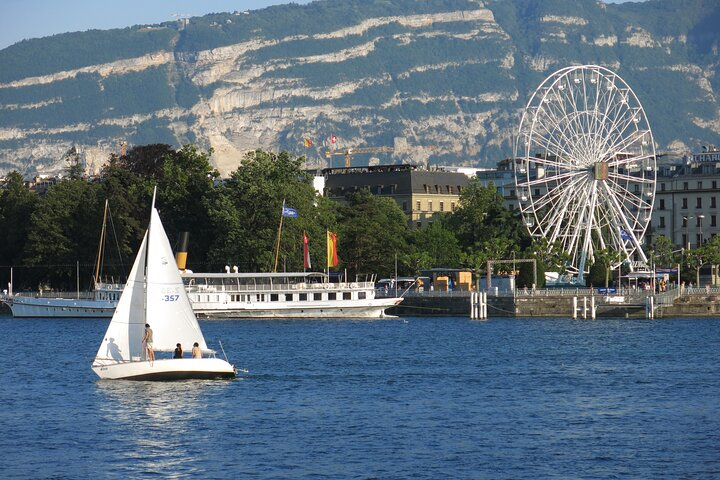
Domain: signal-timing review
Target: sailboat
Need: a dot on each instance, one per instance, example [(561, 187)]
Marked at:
[(155, 295)]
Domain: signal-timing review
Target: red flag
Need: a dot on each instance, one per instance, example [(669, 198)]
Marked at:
[(306, 252), (333, 139), (308, 143)]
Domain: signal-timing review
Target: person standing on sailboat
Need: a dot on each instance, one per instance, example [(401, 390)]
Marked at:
[(148, 343)]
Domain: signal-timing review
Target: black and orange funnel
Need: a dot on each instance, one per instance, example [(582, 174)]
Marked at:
[(181, 255)]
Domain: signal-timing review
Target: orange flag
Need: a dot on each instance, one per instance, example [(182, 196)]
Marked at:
[(332, 258)]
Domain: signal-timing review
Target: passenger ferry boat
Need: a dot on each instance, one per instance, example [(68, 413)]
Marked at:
[(101, 302), (283, 295)]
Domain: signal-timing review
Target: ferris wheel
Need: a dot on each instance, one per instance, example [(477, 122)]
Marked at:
[(585, 166)]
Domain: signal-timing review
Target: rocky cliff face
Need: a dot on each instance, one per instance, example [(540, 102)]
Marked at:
[(455, 76)]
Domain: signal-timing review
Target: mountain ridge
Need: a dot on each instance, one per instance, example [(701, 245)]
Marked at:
[(454, 74)]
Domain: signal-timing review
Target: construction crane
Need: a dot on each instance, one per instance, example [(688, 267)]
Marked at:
[(349, 152)]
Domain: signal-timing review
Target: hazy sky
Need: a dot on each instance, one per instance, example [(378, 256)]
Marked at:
[(22, 19)]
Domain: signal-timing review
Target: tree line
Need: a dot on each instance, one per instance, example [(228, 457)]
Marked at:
[(233, 221)]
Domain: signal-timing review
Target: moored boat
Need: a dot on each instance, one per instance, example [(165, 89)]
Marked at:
[(283, 295)]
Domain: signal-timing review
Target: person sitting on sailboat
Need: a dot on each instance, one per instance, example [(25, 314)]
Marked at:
[(196, 352), (148, 343), (178, 351)]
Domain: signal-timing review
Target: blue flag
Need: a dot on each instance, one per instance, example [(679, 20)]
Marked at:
[(289, 212), (625, 236)]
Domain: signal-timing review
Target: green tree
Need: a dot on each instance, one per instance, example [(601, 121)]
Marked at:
[(17, 205), (435, 246), (247, 210), (64, 229), (372, 231)]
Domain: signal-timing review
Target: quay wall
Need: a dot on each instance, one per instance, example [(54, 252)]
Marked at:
[(445, 304)]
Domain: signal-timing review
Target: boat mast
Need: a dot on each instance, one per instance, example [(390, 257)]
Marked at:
[(277, 249), (101, 245), (147, 256)]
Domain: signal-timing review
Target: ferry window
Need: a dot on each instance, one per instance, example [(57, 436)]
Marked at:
[(288, 297), (273, 297), (698, 202), (684, 203), (362, 295), (303, 297), (332, 296), (317, 296), (347, 295)]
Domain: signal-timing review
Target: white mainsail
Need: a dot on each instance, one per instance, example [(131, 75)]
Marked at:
[(154, 294), (169, 312)]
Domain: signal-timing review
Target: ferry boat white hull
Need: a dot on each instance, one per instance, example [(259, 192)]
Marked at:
[(374, 308), (23, 307), (164, 369)]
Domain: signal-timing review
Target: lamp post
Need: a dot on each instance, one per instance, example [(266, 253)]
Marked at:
[(700, 222), (687, 232)]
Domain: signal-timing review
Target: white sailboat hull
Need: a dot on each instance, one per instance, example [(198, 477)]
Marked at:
[(164, 369)]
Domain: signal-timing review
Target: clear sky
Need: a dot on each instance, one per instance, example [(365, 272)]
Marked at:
[(24, 19)]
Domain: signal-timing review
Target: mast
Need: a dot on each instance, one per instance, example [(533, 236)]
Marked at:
[(147, 256), (101, 244), (277, 249)]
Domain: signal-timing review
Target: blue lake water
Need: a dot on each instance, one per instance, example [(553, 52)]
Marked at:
[(431, 398)]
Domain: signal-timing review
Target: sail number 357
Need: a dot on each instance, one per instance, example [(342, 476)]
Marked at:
[(170, 298)]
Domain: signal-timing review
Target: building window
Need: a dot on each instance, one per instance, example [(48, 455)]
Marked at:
[(437, 188), (452, 206), (684, 240), (712, 201), (684, 203), (427, 188), (662, 222), (417, 205), (712, 221), (442, 206), (698, 202), (698, 221), (430, 209), (685, 186), (450, 189), (662, 204), (637, 188), (405, 207), (714, 184), (662, 187), (699, 185), (460, 188), (537, 192)]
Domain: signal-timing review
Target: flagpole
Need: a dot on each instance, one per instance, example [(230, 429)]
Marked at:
[(277, 249)]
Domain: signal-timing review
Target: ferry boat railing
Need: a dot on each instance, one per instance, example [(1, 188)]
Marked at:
[(248, 288)]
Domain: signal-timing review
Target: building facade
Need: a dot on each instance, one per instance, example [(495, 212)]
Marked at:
[(686, 200), (420, 192)]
